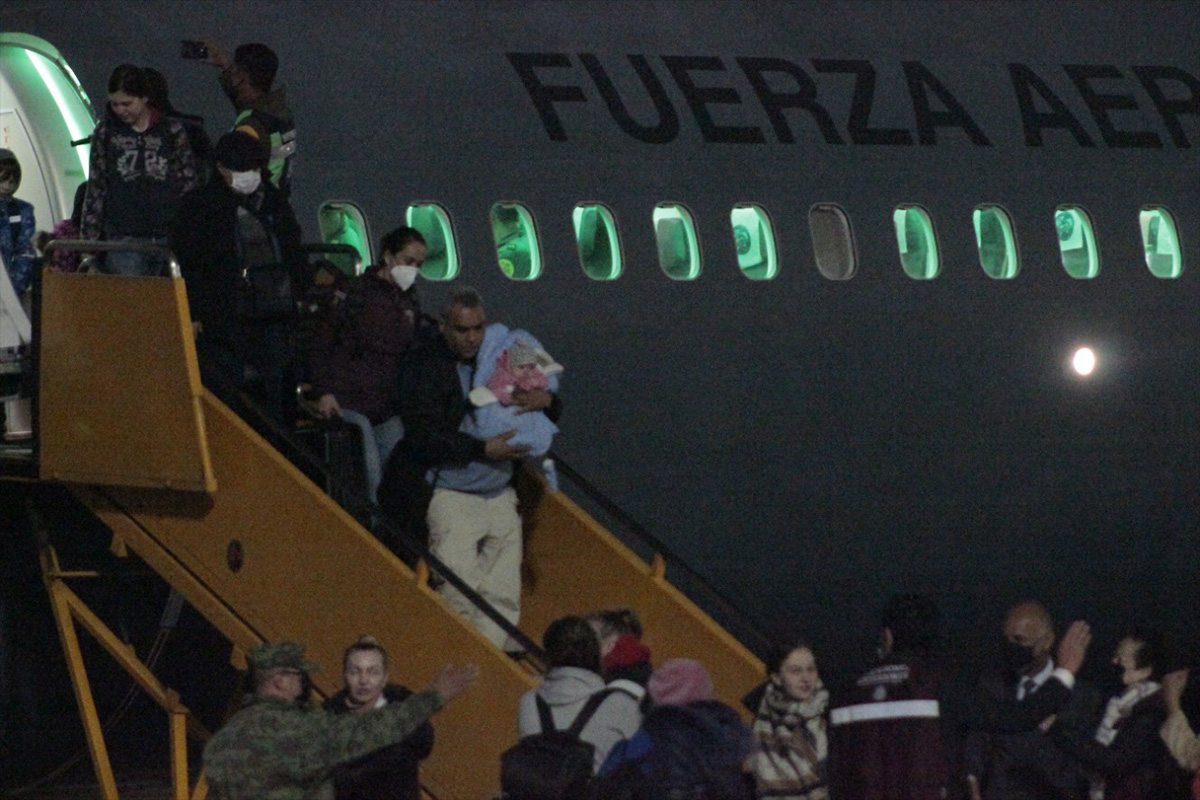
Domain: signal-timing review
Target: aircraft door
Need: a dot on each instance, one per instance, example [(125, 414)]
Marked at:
[(42, 110)]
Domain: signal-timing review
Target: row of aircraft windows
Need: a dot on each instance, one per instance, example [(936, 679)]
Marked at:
[(518, 253)]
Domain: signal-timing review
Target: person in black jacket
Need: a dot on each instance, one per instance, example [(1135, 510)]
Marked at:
[(239, 222), (391, 773), (1124, 757), (443, 477), (1008, 757)]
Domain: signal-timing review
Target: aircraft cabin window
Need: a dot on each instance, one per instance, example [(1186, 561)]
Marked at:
[(997, 242), (1160, 237), (917, 242), (441, 259), (1077, 242), (343, 222), (596, 236), (833, 241), (678, 246), (754, 238), (516, 241)]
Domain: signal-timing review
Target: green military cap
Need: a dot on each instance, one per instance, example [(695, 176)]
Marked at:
[(281, 655)]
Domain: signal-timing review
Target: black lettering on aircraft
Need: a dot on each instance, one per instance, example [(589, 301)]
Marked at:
[(919, 79), (774, 102), (668, 120), (1026, 82), (544, 97), (860, 105), (700, 97), (1101, 104), (1170, 109), (1174, 93)]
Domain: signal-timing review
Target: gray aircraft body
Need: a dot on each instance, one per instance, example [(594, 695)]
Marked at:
[(868, 412)]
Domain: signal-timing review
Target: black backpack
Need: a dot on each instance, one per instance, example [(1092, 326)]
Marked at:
[(552, 764)]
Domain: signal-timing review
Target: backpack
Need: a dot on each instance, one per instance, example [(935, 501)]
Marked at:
[(553, 764)]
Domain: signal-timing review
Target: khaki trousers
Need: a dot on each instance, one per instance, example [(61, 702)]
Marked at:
[(479, 539)]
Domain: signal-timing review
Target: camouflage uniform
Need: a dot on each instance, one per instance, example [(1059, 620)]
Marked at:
[(274, 749)]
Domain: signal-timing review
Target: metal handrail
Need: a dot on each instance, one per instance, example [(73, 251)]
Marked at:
[(344, 249), (763, 641), (135, 245), (270, 429)]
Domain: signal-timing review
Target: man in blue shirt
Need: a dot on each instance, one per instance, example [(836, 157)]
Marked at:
[(472, 515)]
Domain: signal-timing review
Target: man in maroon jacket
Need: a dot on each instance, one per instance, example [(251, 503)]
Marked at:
[(886, 728)]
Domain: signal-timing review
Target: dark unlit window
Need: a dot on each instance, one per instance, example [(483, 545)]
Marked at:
[(833, 241)]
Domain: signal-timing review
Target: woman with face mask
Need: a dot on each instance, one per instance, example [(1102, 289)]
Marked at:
[(359, 345), (142, 163), (1123, 759)]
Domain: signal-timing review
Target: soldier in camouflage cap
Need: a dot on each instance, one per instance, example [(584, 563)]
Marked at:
[(277, 749), (280, 655)]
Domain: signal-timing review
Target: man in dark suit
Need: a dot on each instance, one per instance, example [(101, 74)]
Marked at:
[(1008, 756)]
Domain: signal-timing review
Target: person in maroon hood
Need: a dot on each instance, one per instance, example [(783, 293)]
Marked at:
[(360, 343)]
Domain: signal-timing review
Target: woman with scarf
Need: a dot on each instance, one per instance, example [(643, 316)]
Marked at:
[(1125, 758), (790, 728)]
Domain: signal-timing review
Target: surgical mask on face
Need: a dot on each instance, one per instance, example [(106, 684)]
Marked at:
[(1016, 657), (245, 182), (404, 276)]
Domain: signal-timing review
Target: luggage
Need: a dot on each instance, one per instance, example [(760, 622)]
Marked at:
[(553, 764)]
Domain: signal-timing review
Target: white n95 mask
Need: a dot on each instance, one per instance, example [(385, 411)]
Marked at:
[(245, 182), (404, 276)]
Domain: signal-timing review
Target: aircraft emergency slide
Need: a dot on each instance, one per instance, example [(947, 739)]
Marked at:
[(264, 554)]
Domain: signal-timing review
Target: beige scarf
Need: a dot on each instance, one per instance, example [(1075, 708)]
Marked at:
[(790, 764)]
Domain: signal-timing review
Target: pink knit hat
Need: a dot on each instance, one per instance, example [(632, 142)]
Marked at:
[(680, 681)]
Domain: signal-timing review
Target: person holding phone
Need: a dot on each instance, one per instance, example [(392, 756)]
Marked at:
[(262, 111)]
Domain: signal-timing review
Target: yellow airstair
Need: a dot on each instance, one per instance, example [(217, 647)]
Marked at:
[(264, 554)]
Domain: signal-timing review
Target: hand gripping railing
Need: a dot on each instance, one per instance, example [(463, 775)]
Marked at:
[(135, 245)]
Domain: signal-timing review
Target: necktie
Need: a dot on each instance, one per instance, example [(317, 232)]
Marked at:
[(1028, 687)]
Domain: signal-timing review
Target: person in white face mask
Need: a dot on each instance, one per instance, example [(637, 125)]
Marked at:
[(355, 363), (238, 222)]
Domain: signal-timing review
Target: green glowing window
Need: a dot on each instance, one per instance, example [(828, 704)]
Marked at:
[(833, 241), (754, 239), (1161, 240), (678, 247), (917, 242), (599, 247), (996, 241), (343, 222), (516, 241), (441, 257), (1077, 242)]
